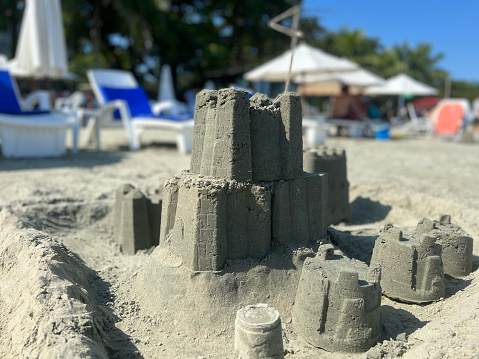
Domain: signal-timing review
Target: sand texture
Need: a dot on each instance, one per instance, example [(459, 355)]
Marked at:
[(67, 291)]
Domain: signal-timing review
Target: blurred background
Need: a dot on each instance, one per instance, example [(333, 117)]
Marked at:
[(220, 40)]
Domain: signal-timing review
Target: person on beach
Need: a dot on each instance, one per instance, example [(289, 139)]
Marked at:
[(346, 106)]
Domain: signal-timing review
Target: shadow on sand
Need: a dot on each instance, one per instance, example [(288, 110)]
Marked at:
[(353, 246), (83, 158), (117, 343), (364, 211), (397, 321)]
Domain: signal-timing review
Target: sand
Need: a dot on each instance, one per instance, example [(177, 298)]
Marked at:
[(66, 290)]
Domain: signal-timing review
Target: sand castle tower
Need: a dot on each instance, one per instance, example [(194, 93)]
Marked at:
[(333, 162), (246, 190), (136, 219), (412, 269), (337, 305), (457, 245)]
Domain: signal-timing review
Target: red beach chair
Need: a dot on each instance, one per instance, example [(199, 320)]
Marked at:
[(451, 117)]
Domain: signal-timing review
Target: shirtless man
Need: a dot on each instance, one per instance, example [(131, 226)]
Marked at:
[(346, 106)]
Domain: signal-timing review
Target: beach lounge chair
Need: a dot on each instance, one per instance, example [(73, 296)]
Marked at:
[(450, 117), (122, 99), (31, 133), (415, 125)]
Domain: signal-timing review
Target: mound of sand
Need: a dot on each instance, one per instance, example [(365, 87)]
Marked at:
[(49, 309)]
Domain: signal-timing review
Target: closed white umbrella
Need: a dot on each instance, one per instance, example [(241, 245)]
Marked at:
[(167, 102), (307, 59), (356, 78), (402, 84), (166, 91), (41, 49)]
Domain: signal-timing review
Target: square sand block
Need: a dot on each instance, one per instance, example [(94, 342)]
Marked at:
[(276, 137), (333, 162), (337, 306), (242, 139), (221, 142), (136, 220), (412, 269), (207, 221), (457, 245)]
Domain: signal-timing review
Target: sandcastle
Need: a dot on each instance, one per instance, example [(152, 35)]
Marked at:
[(245, 196), (338, 301), (246, 190), (333, 162), (412, 269)]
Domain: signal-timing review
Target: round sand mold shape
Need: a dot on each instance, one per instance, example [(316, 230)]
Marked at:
[(337, 306), (258, 333), (412, 269)]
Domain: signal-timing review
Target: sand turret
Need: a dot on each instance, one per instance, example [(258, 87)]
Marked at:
[(412, 269), (457, 245), (337, 305), (333, 162)]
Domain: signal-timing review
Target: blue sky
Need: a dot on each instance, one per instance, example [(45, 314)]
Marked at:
[(452, 27)]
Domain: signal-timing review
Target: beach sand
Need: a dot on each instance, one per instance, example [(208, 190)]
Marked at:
[(66, 290)]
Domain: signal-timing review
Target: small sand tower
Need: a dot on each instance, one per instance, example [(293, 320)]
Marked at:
[(412, 269), (333, 162), (457, 245), (338, 301)]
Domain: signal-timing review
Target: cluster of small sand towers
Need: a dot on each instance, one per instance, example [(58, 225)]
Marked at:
[(246, 193)]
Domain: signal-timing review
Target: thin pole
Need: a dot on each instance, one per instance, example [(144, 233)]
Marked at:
[(293, 32), (294, 41), (447, 87)]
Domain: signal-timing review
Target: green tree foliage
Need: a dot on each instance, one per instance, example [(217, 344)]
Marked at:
[(10, 16), (201, 37), (194, 36)]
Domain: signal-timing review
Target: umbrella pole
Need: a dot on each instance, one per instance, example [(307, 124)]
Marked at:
[(294, 41), (293, 32)]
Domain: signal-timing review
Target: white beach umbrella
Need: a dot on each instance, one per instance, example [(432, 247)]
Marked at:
[(167, 101), (166, 90), (41, 49), (307, 59), (402, 84), (356, 78)]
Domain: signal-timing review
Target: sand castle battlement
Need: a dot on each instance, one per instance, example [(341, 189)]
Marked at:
[(412, 269), (337, 305), (246, 191)]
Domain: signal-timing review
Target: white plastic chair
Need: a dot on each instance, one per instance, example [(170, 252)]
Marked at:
[(122, 99), (31, 133)]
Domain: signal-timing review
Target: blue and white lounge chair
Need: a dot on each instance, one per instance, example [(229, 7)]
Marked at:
[(30, 133), (123, 99)]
